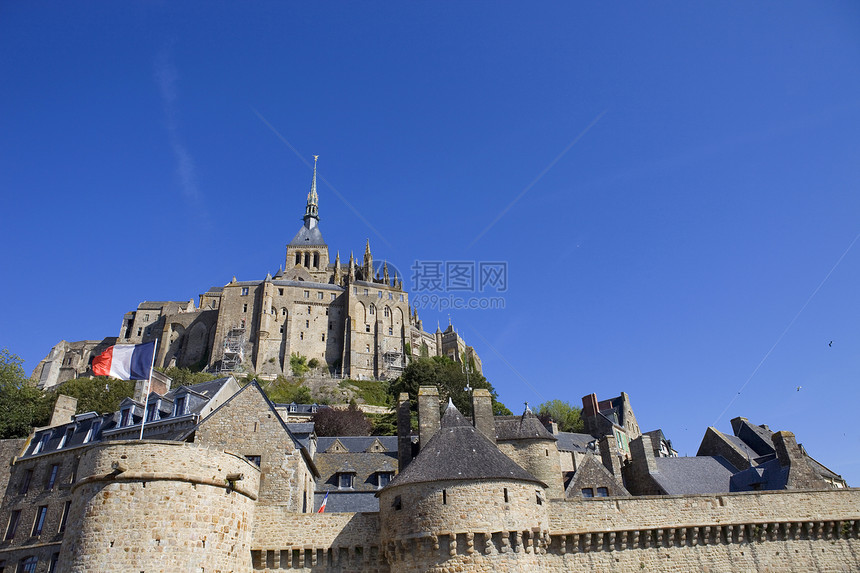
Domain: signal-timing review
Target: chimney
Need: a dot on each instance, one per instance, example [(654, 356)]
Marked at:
[(737, 423), (642, 453), (64, 409), (482, 413), (160, 384), (800, 473), (609, 455), (428, 413), (404, 431), (787, 450)]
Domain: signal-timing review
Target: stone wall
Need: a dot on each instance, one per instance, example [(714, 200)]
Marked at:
[(248, 426), (160, 506), (332, 542)]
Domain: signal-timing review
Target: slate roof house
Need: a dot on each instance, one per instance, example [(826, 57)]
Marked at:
[(222, 482)]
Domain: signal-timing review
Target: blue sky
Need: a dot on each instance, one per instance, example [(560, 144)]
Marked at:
[(673, 185)]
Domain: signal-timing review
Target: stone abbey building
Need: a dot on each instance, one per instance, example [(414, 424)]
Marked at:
[(354, 318), (222, 481)]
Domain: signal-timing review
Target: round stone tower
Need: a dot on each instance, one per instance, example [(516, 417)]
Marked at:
[(525, 440), (461, 502), (147, 505)]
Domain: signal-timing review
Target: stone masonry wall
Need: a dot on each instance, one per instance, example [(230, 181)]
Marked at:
[(160, 506), (332, 542), (247, 426)]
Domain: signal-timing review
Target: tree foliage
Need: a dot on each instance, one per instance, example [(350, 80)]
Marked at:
[(22, 405), (186, 376), (567, 417), (336, 422), (98, 394), (284, 391), (299, 364), (450, 378)]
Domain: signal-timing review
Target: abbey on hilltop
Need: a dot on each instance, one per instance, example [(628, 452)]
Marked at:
[(354, 318)]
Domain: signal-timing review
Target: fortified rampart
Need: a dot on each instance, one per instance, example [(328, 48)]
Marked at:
[(160, 506)]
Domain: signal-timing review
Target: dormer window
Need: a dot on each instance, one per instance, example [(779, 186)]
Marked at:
[(152, 411), (179, 406), (93, 431), (66, 437), (314, 409), (40, 445), (344, 480), (125, 417), (292, 407), (382, 479)]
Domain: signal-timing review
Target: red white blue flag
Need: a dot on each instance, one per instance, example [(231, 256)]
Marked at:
[(322, 505), (126, 361)]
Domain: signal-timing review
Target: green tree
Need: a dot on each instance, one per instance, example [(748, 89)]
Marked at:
[(186, 376), (299, 364), (566, 416), (448, 376), (284, 391), (98, 394), (22, 405)]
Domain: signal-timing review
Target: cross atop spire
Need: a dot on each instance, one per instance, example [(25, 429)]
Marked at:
[(312, 217)]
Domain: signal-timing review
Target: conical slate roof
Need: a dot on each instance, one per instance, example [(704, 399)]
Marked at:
[(460, 452), (525, 427)]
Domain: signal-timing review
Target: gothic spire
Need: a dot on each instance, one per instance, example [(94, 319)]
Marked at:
[(312, 217)]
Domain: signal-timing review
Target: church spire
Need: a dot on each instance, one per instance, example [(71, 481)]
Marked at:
[(368, 263), (312, 217)]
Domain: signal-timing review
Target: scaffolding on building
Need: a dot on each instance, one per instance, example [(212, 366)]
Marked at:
[(234, 349)]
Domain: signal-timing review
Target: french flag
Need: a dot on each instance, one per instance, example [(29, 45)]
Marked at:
[(126, 361), (322, 505)]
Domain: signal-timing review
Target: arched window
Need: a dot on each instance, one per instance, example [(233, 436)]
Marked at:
[(307, 259), (284, 311), (316, 260), (387, 312), (372, 309), (298, 257)]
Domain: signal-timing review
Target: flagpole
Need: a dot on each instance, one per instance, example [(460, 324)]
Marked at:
[(148, 388)]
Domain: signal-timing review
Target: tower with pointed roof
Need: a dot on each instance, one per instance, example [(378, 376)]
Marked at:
[(308, 251)]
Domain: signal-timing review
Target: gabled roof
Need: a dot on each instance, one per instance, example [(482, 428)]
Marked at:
[(357, 444), (572, 442), (460, 452), (692, 475), (525, 427)]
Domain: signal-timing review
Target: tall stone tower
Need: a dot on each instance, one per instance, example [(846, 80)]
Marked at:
[(308, 249)]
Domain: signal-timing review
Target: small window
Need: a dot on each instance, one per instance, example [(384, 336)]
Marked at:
[(398, 503), (244, 291), (372, 309), (344, 481), (40, 520), (125, 417), (139, 330), (538, 497), (507, 499), (387, 312), (326, 311), (254, 460), (243, 323), (65, 516), (367, 348), (55, 559), (320, 295), (301, 336), (390, 331), (14, 517), (354, 290), (284, 312), (309, 310), (587, 492), (280, 292), (383, 479), (245, 307), (333, 296), (28, 564), (179, 407), (367, 328), (152, 412), (66, 437), (282, 329), (25, 484), (366, 291), (292, 408), (401, 298), (390, 296), (52, 476), (93, 431), (40, 445), (307, 324), (323, 338), (444, 497), (307, 294), (602, 492)]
